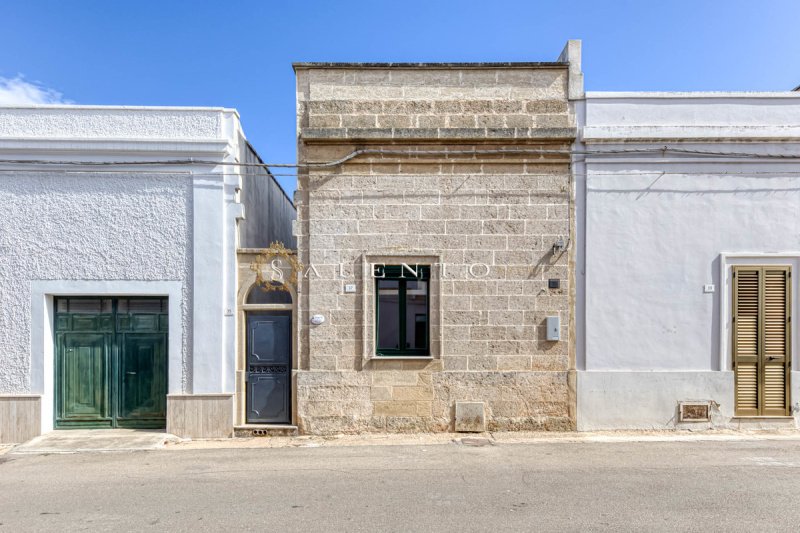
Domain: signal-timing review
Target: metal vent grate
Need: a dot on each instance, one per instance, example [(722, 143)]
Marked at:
[(268, 369)]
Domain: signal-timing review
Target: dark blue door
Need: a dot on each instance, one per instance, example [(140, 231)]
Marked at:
[(269, 363)]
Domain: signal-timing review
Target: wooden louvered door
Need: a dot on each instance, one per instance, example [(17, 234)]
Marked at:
[(775, 354), (762, 340), (746, 327)]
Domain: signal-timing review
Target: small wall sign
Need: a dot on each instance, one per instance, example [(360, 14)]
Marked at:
[(317, 319)]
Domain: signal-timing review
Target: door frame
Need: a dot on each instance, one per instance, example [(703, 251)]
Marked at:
[(43, 293), (241, 352), (725, 309)]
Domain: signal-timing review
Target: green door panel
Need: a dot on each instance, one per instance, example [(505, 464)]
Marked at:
[(111, 367), (142, 379), (84, 384)]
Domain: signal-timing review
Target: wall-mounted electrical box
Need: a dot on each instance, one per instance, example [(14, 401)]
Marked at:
[(553, 328)]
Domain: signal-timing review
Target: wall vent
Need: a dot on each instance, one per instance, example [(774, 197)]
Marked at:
[(694, 411)]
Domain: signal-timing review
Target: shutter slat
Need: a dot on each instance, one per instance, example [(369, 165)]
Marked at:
[(775, 313), (746, 342), (774, 388), (747, 386)]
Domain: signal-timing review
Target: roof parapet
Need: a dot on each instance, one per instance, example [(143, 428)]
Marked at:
[(571, 54)]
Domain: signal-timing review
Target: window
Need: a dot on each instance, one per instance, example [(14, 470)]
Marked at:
[(402, 310), (277, 295)]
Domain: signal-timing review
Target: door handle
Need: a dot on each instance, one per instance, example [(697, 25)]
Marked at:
[(131, 373), (771, 358)]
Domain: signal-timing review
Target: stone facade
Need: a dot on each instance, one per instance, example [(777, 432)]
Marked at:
[(457, 165)]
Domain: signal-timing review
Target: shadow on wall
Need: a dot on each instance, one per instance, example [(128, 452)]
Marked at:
[(714, 358)]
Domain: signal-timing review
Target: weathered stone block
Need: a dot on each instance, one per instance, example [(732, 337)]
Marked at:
[(490, 121), (359, 121), (461, 121), (325, 121), (392, 378), (447, 106), (470, 417), (412, 393), (395, 408)]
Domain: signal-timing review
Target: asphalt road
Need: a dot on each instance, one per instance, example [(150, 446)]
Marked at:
[(684, 486)]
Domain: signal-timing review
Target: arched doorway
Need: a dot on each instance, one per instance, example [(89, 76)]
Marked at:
[(266, 360)]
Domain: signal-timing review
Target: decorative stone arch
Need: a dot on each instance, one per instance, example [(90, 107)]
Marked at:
[(284, 300)]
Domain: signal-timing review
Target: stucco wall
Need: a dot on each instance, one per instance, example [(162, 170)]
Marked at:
[(86, 227), (652, 246), (658, 227), (106, 122)]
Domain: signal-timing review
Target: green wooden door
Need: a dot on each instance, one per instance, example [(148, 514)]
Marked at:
[(111, 362), (84, 383), (142, 382)]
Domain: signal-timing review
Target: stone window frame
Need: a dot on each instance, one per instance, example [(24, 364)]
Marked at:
[(369, 352)]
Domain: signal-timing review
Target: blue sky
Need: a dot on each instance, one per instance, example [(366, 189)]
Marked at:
[(239, 54)]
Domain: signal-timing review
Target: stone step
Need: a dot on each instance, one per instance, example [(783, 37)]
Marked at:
[(765, 423), (265, 430)]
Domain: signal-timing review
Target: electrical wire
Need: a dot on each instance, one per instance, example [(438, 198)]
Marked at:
[(767, 173), (436, 153), (384, 152)]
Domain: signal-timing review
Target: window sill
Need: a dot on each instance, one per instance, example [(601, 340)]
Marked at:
[(758, 417), (401, 358)]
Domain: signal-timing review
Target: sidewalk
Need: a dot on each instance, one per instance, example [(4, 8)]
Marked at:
[(79, 441), (481, 439), (94, 440)]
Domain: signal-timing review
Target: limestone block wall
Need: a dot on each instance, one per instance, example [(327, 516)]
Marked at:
[(463, 167)]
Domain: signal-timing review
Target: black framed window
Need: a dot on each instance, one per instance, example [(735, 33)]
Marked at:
[(402, 310)]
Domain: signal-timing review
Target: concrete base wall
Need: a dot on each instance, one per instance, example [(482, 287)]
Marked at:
[(649, 400), (424, 400), (200, 416), (20, 418)]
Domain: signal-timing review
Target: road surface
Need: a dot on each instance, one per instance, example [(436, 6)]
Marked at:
[(631, 486)]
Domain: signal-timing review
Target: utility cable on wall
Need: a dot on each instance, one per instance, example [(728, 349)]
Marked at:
[(383, 152)]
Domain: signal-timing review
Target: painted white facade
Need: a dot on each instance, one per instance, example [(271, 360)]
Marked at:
[(656, 224), (166, 230)]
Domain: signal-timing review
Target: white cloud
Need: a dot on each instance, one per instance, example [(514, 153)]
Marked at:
[(19, 91)]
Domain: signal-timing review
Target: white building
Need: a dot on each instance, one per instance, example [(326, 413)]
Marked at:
[(118, 278), (688, 187)]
